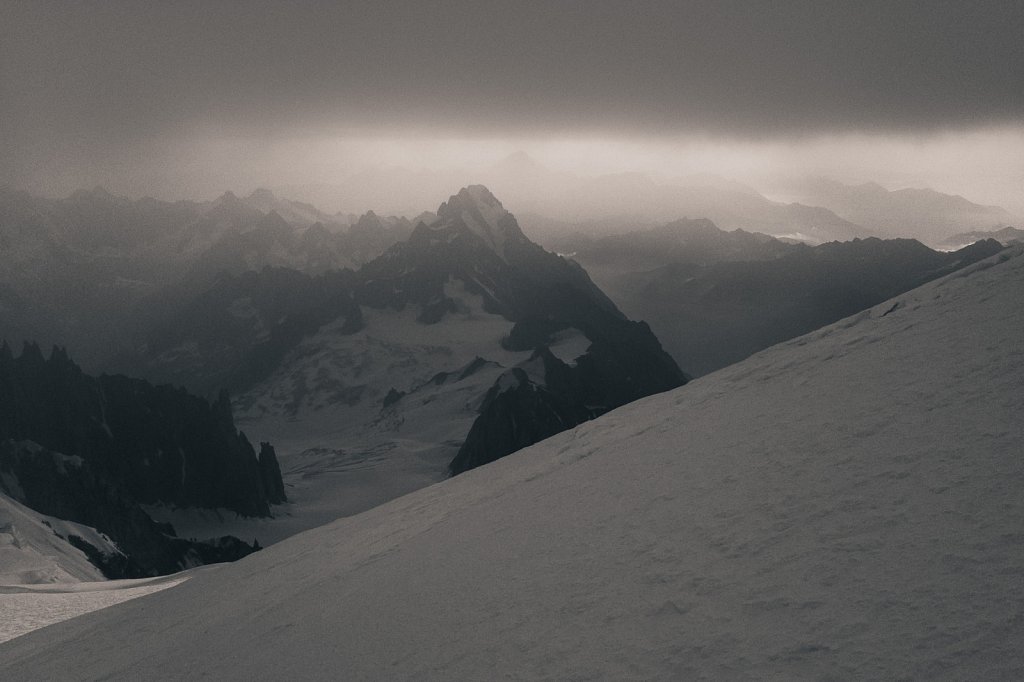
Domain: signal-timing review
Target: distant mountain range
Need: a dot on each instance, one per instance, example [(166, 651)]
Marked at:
[(715, 297), (626, 198), (1005, 236), (681, 241), (922, 214), (817, 210), (88, 271)]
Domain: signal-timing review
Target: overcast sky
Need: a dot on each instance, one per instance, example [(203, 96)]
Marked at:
[(114, 91)]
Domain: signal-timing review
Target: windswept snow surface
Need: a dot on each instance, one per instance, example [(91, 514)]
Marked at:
[(846, 505)]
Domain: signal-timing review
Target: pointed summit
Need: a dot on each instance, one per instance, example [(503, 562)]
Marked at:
[(519, 163), (262, 194), (475, 209), (229, 198)]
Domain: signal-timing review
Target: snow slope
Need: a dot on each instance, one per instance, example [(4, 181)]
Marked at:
[(44, 579), (844, 506), (34, 547)]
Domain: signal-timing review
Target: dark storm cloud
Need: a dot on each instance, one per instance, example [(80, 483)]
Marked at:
[(97, 68)]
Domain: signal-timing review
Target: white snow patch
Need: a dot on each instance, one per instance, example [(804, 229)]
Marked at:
[(799, 237), (569, 344)]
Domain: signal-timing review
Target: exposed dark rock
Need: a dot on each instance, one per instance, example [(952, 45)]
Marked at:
[(71, 488), (392, 397), (473, 367), (270, 473), (93, 450)]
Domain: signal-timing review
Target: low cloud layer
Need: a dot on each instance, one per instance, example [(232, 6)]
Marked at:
[(124, 88)]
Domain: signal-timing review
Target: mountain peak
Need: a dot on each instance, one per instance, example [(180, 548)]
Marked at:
[(480, 212), (262, 194), (518, 162), (476, 195)]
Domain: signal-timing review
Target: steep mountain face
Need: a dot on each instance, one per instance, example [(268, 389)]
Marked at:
[(844, 505), (709, 316), (479, 244), (92, 451), (923, 214), (391, 366)]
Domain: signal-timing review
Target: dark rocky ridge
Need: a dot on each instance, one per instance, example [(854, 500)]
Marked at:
[(161, 443), (70, 488), (93, 450)]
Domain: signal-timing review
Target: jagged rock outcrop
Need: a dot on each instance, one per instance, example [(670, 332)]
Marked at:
[(159, 442), (93, 450), (69, 487), (270, 474)]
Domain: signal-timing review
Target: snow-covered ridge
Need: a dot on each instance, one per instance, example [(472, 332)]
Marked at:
[(842, 506)]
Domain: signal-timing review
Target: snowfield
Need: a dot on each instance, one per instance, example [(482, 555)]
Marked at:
[(29, 607), (846, 505)]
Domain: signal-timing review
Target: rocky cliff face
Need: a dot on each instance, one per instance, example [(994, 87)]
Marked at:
[(94, 450), (68, 487), (161, 443)]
